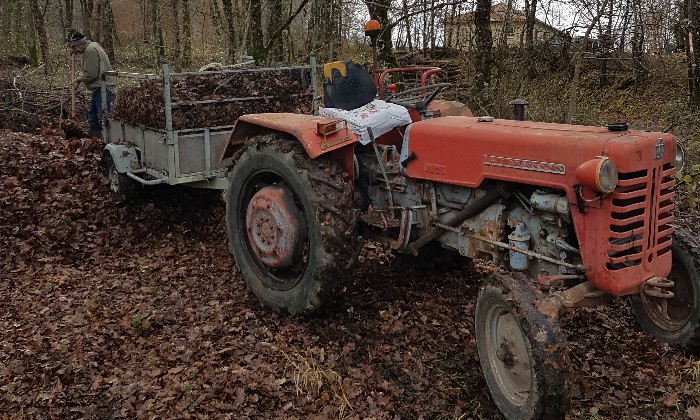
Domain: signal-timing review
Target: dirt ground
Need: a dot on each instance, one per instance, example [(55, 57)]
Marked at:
[(134, 310)]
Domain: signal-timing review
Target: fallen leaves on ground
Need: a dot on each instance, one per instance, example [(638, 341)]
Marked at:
[(133, 310)]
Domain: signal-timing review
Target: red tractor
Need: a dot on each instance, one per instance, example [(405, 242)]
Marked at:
[(573, 215)]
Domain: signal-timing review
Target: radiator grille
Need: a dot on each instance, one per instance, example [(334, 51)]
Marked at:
[(641, 216)]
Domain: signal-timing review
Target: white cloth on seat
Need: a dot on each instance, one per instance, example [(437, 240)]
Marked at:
[(381, 116)]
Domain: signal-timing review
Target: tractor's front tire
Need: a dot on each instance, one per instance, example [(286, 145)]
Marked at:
[(119, 183), (290, 225), (522, 352), (675, 321)]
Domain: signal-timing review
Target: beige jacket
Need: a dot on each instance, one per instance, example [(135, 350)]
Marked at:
[(92, 57)]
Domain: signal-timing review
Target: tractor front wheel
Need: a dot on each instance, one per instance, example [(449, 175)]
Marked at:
[(290, 225), (676, 320), (521, 351)]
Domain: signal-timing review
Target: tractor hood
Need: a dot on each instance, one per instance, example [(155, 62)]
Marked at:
[(465, 151)]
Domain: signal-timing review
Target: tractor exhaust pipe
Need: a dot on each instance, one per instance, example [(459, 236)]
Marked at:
[(518, 109), (493, 193)]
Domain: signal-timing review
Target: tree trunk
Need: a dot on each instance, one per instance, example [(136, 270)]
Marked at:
[(606, 46), (379, 10), (530, 24), (638, 43), (109, 37), (692, 11), (276, 49), (40, 29), (68, 17), (256, 35), (407, 22), (176, 34), (86, 9), (6, 27), (280, 29), (230, 29), (21, 30), (186, 35), (573, 94), (156, 34), (97, 22), (31, 40), (484, 58)]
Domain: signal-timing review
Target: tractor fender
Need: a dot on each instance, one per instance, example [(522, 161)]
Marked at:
[(124, 157), (301, 126)]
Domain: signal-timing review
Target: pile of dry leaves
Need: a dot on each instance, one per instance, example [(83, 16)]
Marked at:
[(114, 310), (231, 95)]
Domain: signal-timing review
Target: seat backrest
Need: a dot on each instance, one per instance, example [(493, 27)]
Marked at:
[(347, 85)]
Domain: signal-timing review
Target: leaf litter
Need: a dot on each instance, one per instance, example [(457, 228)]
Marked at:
[(133, 310)]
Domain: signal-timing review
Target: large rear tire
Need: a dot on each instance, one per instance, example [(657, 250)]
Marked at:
[(521, 351), (677, 320), (290, 225)]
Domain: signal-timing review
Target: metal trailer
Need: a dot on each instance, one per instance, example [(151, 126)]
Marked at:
[(137, 155)]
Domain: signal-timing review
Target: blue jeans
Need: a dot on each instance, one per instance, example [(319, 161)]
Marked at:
[(95, 110)]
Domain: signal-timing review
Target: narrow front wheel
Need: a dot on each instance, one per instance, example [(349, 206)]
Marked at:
[(675, 320), (520, 351)]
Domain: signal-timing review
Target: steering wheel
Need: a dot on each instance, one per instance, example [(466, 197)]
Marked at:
[(418, 97)]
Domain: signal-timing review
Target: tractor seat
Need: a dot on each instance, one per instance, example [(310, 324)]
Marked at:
[(349, 94), (347, 85)]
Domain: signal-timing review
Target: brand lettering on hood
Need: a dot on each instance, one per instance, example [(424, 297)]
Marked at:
[(527, 165)]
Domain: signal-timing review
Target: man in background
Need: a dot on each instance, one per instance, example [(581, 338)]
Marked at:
[(94, 61)]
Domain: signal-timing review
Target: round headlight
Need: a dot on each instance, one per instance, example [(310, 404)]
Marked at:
[(607, 176), (599, 174), (680, 157)]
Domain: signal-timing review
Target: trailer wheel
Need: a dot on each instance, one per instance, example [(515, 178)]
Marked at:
[(521, 352), (125, 187), (290, 225), (677, 320)]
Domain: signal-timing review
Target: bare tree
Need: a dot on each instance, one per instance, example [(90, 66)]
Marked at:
[(186, 34), (484, 43), (379, 9), (573, 94), (230, 29), (256, 36), (174, 4)]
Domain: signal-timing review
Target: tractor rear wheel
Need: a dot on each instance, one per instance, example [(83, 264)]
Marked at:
[(677, 320), (290, 225), (520, 350)]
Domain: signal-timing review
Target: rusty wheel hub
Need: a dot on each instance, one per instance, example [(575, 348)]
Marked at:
[(275, 227), (674, 312)]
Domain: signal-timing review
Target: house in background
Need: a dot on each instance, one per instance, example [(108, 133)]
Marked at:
[(507, 26)]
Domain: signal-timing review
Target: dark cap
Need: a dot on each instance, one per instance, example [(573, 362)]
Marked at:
[(75, 37)]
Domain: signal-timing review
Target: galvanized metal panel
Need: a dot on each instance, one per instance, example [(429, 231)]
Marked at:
[(194, 154), (155, 151), (191, 153)]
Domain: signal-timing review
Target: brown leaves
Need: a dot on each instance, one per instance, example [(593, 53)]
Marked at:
[(277, 91), (112, 310)]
